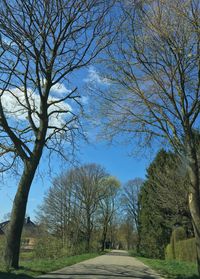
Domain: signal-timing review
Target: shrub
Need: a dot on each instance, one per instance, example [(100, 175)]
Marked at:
[(169, 255), (184, 250), (48, 247), (78, 249), (179, 234)]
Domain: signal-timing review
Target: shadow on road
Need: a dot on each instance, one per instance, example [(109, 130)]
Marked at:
[(102, 272), (9, 275), (90, 275), (182, 277)]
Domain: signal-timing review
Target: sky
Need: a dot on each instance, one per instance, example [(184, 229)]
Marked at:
[(115, 158)]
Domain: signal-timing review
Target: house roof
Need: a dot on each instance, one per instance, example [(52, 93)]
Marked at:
[(3, 225), (28, 225)]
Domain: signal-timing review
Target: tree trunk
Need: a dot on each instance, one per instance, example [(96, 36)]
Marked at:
[(13, 235), (88, 230), (104, 236), (88, 242), (194, 199), (103, 242)]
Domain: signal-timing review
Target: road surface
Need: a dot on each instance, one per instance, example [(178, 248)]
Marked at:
[(115, 265)]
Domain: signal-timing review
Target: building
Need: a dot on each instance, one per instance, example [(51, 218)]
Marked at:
[(29, 233)]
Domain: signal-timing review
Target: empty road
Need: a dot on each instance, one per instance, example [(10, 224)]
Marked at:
[(115, 265)]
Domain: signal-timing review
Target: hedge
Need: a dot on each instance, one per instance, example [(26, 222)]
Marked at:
[(184, 250)]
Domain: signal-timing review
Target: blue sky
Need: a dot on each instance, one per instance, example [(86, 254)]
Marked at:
[(115, 159)]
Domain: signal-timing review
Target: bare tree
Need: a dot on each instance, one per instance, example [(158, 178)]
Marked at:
[(76, 201), (130, 200), (108, 207), (89, 185), (58, 211), (42, 44), (154, 91)]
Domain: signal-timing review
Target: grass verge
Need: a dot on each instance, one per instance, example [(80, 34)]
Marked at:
[(31, 269), (172, 269)]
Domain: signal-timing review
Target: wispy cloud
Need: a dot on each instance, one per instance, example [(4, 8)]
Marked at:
[(95, 77), (84, 100), (60, 89)]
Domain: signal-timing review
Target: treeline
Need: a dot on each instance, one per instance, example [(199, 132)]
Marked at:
[(88, 209), (79, 208)]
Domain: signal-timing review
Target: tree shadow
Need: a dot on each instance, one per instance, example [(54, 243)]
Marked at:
[(9, 275), (180, 276), (93, 275), (102, 272)]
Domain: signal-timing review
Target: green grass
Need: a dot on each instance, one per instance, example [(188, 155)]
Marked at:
[(27, 256), (33, 268), (172, 269)]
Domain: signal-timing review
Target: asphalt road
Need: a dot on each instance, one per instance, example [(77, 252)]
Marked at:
[(115, 265)]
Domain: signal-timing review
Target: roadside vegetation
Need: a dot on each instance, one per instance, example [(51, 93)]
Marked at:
[(139, 216), (47, 255), (172, 269), (35, 267)]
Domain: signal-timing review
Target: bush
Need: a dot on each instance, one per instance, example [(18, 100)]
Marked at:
[(48, 247), (179, 234), (77, 249), (169, 255), (184, 250)]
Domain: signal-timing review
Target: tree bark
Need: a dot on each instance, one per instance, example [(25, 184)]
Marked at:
[(194, 199), (88, 230), (104, 236), (13, 235)]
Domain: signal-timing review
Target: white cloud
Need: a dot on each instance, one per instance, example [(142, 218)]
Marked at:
[(15, 107), (58, 119), (94, 77), (59, 89), (14, 104), (85, 100)]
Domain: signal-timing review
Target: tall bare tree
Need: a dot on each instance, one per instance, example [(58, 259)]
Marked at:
[(89, 185), (42, 43), (59, 211), (130, 200), (79, 201), (108, 207), (154, 74)]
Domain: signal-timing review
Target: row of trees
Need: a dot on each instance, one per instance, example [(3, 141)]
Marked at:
[(86, 207), (83, 206), (80, 204)]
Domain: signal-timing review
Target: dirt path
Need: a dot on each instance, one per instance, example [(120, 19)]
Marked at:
[(115, 265)]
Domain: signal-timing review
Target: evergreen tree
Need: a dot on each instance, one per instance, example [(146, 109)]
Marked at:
[(164, 204)]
